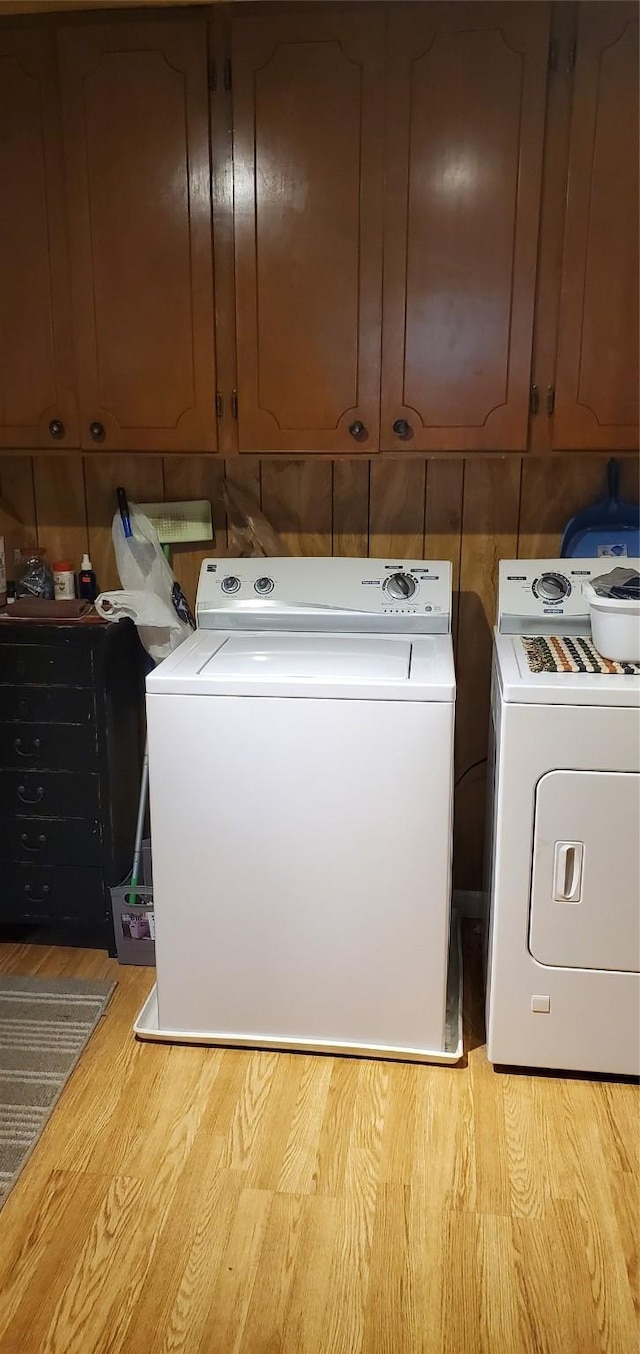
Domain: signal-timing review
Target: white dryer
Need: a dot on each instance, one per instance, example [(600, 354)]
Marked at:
[(563, 963), (300, 748)]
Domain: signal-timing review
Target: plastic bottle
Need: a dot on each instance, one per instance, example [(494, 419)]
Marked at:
[(64, 582), (87, 584)]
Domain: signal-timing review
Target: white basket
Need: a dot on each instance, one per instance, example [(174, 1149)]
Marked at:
[(615, 626)]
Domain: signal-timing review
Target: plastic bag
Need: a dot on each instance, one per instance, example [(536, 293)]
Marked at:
[(249, 533), (621, 584), (151, 594), (159, 628)]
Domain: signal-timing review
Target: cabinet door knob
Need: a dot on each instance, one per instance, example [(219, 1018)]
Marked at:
[(357, 429), (56, 428), (97, 431), (33, 752), (401, 428)]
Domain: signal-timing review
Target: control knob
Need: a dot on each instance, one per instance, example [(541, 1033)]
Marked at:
[(552, 587), (263, 586), (401, 587), (230, 584)]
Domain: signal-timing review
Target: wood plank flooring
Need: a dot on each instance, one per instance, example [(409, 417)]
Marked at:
[(204, 1201)]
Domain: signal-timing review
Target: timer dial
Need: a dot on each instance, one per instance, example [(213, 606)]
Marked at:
[(552, 587), (400, 587)]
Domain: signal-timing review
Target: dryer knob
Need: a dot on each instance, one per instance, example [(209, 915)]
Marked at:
[(552, 587), (401, 587), (230, 584)]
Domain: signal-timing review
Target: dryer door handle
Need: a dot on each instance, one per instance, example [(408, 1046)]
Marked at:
[(567, 872)]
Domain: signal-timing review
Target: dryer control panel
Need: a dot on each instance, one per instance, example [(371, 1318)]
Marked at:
[(382, 595), (545, 595)]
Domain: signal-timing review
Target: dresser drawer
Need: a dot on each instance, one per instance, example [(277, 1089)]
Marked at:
[(52, 747), (59, 664), (48, 704), (49, 794), (50, 841), (38, 893)]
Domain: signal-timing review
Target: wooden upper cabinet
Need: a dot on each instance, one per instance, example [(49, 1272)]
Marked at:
[(465, 125), (307, 144), (136, 127), (598, 360), (37, 406)]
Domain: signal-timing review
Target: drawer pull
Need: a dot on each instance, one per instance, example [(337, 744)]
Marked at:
[(37, 897), (24, 798), (41, 841), (17, 743)]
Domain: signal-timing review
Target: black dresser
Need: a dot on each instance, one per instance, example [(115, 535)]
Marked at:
[(71, 713)]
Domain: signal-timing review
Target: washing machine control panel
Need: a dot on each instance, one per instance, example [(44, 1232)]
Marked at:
[(332, 594), (544, 594)]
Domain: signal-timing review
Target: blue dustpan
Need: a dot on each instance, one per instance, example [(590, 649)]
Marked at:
[(608, 527)]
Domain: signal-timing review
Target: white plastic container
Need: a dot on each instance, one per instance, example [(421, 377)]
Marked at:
[(615, 626), (64, 583)]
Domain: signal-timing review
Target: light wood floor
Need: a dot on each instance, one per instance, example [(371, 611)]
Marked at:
[(207, 1201)]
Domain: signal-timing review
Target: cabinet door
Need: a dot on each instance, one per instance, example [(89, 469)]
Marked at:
[(136, 125), (597, 373), (465, 119), (37, 406), (307, 126)]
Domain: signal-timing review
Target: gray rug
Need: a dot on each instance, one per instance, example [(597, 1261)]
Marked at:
[(45, 1023)]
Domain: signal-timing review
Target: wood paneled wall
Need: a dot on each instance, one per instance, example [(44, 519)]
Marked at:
[(473, 512)]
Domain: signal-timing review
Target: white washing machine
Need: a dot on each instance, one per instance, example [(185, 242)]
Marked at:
[(563, 984), (301, 752)]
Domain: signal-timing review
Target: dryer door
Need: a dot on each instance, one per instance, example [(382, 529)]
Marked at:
[(585, 886)]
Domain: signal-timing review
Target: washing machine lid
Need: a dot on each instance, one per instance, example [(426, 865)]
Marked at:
[(325, 658), (390, 667), (520, 685)]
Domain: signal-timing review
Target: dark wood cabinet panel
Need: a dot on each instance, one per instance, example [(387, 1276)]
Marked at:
[(54, 894), (465, 124), (37, 405), (136, 126), (308, 137), (598, 360), (59, 841), (52, 747), (69, 768)]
